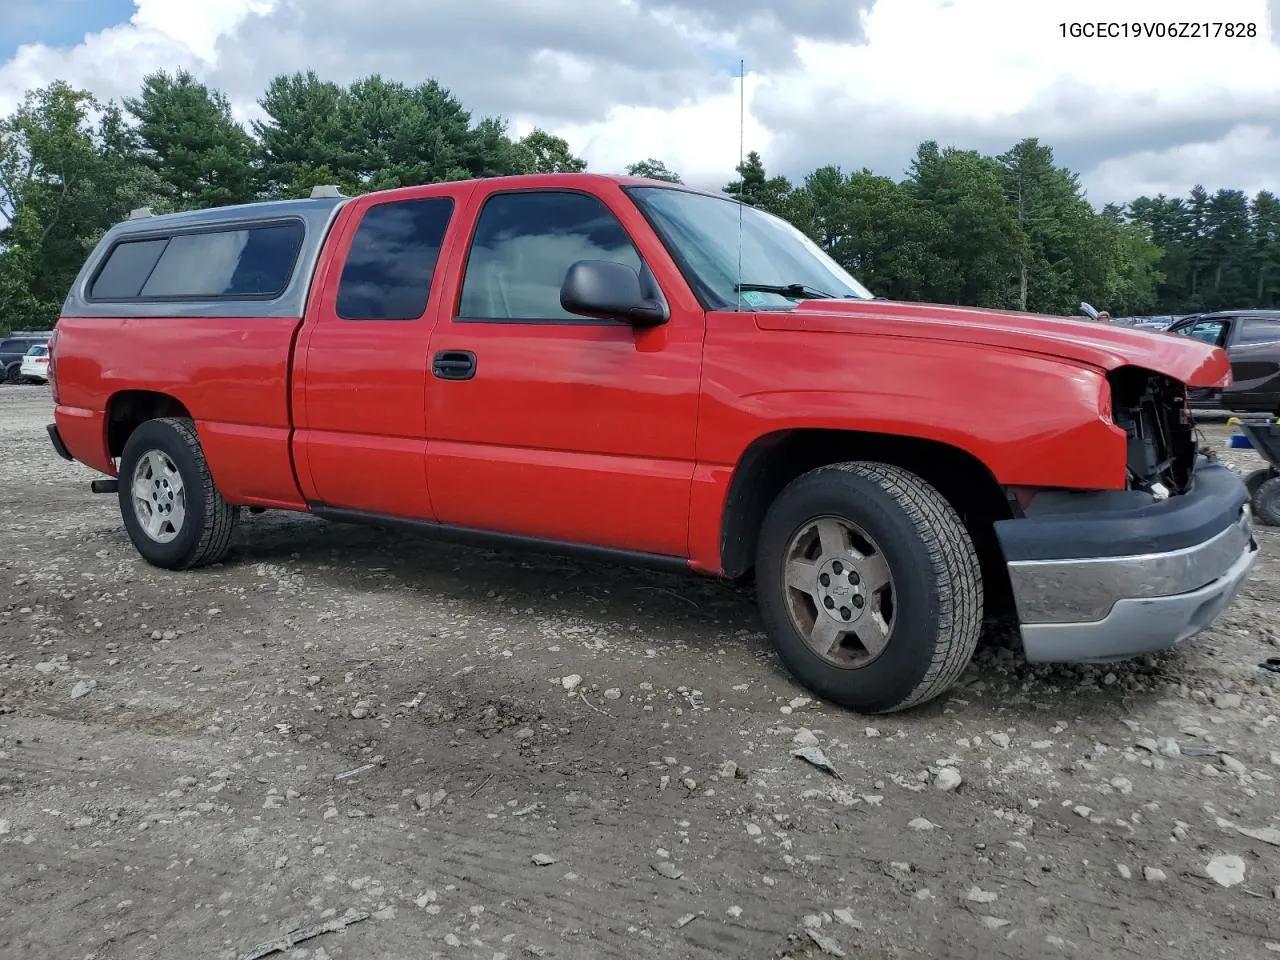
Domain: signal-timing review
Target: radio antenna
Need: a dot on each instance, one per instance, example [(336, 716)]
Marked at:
[(742, 160)]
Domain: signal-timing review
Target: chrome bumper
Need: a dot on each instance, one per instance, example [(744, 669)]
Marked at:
[(1099, 608)]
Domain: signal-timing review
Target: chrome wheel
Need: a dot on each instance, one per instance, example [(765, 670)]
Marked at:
[(159, 502), (839, 592)]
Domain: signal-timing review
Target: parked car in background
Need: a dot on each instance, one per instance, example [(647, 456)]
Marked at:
[(1252, 341), (13, 348), (35, 365)]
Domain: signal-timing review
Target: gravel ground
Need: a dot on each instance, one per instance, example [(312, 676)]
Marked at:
[(501, 756)]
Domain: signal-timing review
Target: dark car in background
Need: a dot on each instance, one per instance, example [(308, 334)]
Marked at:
[(1252, 341), (13, 348)]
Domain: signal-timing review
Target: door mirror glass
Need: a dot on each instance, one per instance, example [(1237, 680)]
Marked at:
[(607, 290)]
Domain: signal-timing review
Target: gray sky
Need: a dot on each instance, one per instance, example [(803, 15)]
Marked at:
[(857, 83)]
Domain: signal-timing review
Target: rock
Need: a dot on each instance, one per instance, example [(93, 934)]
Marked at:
[(1227, 701), (613, 693), (825, 943), (728, 770), (666, 868), (812, 922), (543, 860), (1232, 764), (804, 738), (948, 779), (1083, 811), (1001, 740), (993, 923), (571, 682), (846, 917), (524, 733), (428, 897), (734, 912), (815, 756), (1226, 871), (872, 732), (1125, 872), (1153, 875), (360, 710), (82, 688), (920, 823), (978, 895), (1169, 747)]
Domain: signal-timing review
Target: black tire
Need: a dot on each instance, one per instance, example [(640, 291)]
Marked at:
[(1257, 478), (204, 535), (937, 594), (13, 374), (1266, 502)]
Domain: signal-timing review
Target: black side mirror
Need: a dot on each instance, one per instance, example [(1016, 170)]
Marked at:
[(607, 290)]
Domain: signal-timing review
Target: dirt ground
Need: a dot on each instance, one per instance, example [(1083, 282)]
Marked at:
[(338, 719)]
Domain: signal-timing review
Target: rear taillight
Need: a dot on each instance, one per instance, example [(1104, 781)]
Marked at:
[(52, 360)]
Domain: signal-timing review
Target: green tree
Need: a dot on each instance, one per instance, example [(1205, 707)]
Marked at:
[(757, 188), (64, 179), (1264, 254), (191, 141), (548, 153), (653, 169), (974, 242), (301, 143)]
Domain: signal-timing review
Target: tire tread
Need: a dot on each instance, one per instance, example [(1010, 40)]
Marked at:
[(219, 516)]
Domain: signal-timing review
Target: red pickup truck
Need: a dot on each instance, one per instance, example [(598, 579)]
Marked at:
[(645, 373)]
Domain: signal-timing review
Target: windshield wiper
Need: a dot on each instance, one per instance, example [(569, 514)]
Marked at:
[(789, 290)]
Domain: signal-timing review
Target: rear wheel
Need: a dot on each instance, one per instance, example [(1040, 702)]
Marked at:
[(171, 508), (869, 586), (13, 374), (1257, 478)]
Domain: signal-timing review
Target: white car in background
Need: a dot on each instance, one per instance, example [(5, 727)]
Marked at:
[(35, 364)]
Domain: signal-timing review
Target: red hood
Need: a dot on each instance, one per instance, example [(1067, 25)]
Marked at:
[(1102, 345)]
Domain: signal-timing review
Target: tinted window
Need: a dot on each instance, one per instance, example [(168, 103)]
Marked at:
[(216, 264), (251, 262), (1208, 331), (1255, 330), (392, 260), (127, 269), (524, 246), (37, 351)]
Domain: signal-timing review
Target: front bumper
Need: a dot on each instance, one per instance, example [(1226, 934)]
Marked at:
[(1107, 576)]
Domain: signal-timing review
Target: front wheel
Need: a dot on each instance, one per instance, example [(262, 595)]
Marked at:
[(171, 508), (869, 586)]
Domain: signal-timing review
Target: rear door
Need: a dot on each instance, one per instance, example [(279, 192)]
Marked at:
[(1254, 349), (360, 383)]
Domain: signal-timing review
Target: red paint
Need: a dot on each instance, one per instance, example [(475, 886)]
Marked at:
[(595, 433)]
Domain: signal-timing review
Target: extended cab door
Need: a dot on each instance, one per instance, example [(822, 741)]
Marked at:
[(360, 378), (549, 425)]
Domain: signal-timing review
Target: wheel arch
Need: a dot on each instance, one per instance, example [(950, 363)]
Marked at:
[(773, 460), (129, 409)]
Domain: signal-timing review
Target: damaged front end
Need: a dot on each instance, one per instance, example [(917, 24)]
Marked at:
[(1153, 411)]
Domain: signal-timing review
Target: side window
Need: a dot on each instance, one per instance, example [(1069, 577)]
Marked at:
[(1208, 331), (524, 245), (126, 269), (245, 262), (392, 260), (1254, 330)]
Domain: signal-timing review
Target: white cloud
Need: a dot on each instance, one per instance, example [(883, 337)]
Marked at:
[(626, 79)]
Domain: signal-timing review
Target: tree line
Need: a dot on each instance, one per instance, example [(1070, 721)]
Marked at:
[(1010, 231)]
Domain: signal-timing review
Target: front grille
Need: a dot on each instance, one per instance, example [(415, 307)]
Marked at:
[(1153, 412)]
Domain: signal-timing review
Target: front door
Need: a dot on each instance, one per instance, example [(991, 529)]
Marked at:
[(549, 425)]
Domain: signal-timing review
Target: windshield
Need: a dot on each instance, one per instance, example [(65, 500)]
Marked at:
[(702, 234), (37, 351)]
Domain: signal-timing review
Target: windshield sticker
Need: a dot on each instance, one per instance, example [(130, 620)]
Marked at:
[(754, 298)]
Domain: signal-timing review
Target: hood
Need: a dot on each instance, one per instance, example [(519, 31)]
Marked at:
[(1105, 346)]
